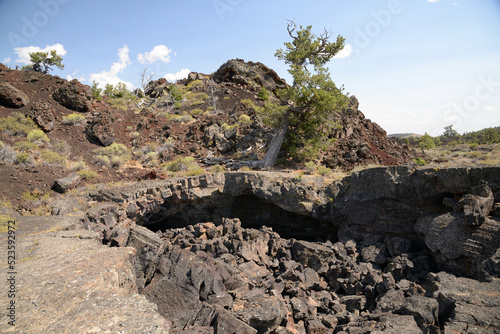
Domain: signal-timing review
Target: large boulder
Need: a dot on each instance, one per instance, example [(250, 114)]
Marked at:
[(156, 88), (99, 129), (74, 96), (249, 74), (42, 114), (12, 97)]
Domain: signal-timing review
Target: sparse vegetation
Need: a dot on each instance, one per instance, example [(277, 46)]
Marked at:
[(17, 124), (263, 94), (115, 155), (244, 119), (38, 136), (87, 174), (53, 158), (79, 165), (73, 119), (26, 146), (23, 158), (185, 165)]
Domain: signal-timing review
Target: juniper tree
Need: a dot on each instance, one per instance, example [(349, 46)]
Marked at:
[(304, 112), (42, 62)]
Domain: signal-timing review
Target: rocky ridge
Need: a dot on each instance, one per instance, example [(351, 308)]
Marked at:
[(384, 250)]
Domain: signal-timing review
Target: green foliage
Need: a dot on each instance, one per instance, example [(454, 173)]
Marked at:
[(184, 118), (449, 131), (79, 165), (53, 158), (102, 160), (73, 119), (32, 196), (37, 136), (119, 103), (217, 169), (96, 91), (196, 112), (176, 92), (307, 105), (17, 124), (193, 99), (114, 155), (194, 84), (248, 103), (186, 165), (26, 146), (119, 91), (60, 146), (87, 174), (420, 161), (244, 119), (43, 61), (263, 94), (23, 158), (426, 142)]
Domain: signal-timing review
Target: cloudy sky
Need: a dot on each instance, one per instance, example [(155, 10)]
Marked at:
[(414, 65)]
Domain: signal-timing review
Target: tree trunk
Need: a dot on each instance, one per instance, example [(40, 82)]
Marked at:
[(275, 146)]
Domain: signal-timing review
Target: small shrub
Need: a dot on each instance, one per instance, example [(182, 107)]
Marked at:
[(59, 146), (87, 174), (420, 161), (263, 94), (217, 169), (23, 158), (245, 169), (244, 119), (226, 98), (134, 135), (183, 118), (37, 136), (53, 158), (73, 119), (17, 124), (119, 103), (194, 84), (310, 167), (181, 164), (248, 103), (26, 146), (116, 161), (473, 146), (196, 112), (227, 127), (32, 196), (102, 160), (79, 165), (323, 170)]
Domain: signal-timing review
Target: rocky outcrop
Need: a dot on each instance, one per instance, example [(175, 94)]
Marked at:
[(99, 130), (66, 183), (156, 88), (249, 74), (11, 96), (359, 141), (42, 113), (74, 96)]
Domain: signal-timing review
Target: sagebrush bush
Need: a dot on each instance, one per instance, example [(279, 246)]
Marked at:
[(26, 146), (17, 124), (263, 94), (53, 158), (101, 160), (186, 165), (73, 119), (79, 165), (23, 158), (244, 119), (87, 174), (37, 136)]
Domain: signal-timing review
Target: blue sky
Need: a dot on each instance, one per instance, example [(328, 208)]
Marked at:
[(414, 65)]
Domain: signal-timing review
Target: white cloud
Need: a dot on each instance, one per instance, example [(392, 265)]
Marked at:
[(491, 109), (23, 53), (432, 0), (111, 76), (6, 60), (159, 52), (345, 52), (455, 3), (182, 74)]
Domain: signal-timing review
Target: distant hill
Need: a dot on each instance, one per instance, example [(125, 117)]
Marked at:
[(404, 135)]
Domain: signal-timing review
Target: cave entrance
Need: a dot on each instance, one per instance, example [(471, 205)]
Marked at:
[(250, 209)]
